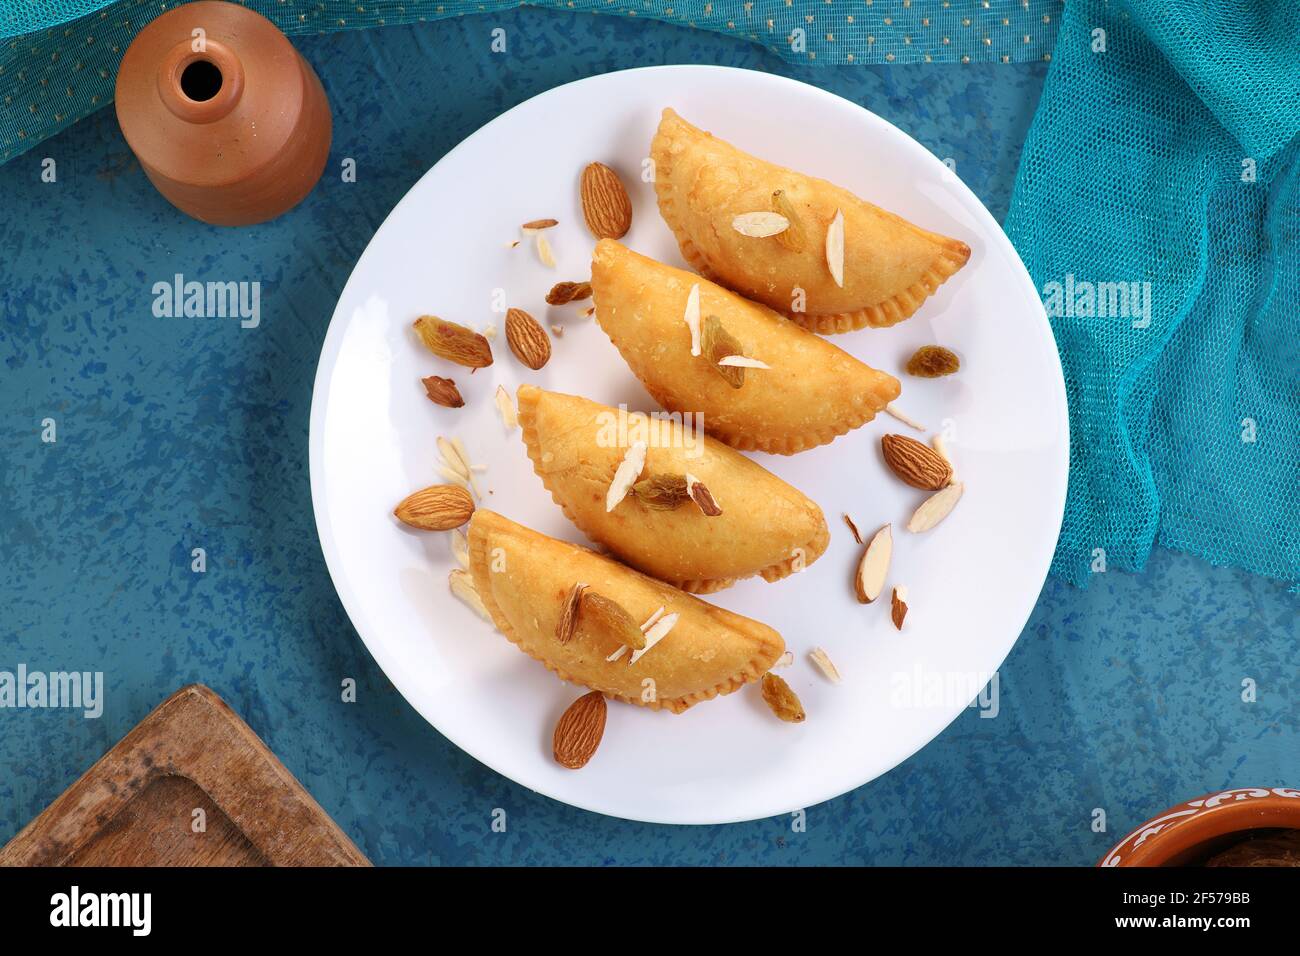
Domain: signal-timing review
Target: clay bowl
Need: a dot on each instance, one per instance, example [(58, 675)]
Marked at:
[(1192, 832)]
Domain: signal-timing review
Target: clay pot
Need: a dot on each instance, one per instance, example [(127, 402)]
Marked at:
[(1192, 832), (227, 119)]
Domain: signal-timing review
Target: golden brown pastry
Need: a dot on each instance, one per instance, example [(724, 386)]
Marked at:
[(809, 393), (762, 525), (694, 651), (889, 266)]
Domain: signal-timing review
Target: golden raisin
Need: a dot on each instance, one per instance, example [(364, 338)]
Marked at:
[(793, 237), (661, 492), (564, 292), (783, 701), (608, 619), (717, 343), (933, 361)]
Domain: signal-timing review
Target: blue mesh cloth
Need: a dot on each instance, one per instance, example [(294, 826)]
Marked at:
[(1161, 161), (58, 58)]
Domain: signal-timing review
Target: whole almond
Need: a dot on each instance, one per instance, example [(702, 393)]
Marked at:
[(527, 339), (436, 508), (454, 342), (578, 733), (443, 391), (605, 205), (915, 463)]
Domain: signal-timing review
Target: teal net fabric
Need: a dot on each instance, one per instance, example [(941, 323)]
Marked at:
[(1163, 155), (58, 58)]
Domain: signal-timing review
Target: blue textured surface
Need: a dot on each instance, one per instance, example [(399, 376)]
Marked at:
[(183, 433)]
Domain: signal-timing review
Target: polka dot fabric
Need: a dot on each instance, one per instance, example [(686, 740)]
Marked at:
[(59, 58), (1157, 209)]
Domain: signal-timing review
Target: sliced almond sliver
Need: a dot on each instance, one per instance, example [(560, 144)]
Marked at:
[(874, 566), (702, 497), (506, 406), (453, 452), (835, 248), (692, 318), (455, 477), (462, 585), (459, 445), (760, 225), (908, 420), (452, 457), (568, 622), (825, 664), (658, 631), (629, 469), (935, 508), (741, 361), (898, 606), (544, 251), (460, 547), (785, 660)]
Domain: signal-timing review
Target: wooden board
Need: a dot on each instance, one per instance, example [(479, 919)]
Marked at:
[(137, 805)]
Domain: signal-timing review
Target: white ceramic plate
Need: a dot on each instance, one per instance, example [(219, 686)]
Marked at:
[(972, 581)]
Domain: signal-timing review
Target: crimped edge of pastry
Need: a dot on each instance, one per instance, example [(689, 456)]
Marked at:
[(739, 440), (478, 569), (902, 305), (526, 407), (891, 311)]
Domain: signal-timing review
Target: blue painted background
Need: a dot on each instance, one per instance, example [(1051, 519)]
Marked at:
[(183, 433)]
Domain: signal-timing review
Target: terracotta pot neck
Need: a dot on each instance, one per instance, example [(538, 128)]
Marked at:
[(200, 81)]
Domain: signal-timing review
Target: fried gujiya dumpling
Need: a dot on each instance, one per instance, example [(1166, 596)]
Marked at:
[(698, 514), (694, 345), (582, 615), (838, 264)]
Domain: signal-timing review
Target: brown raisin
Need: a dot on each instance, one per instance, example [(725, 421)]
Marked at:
[(933, 361)]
